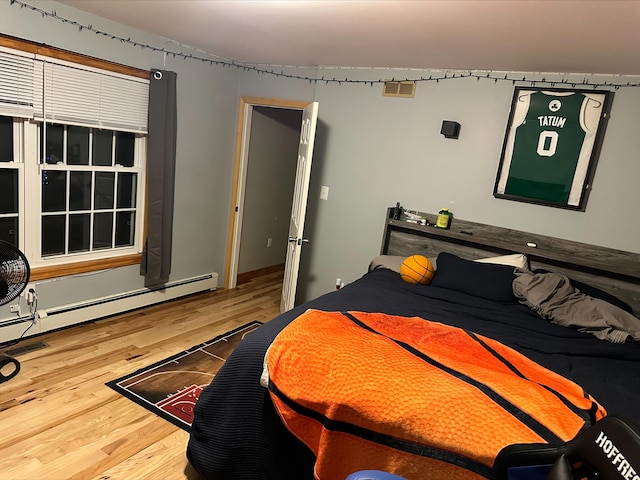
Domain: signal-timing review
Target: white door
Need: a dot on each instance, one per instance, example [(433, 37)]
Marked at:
[(299, 207)]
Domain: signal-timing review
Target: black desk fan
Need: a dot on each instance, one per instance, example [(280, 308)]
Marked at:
[(14, 276)]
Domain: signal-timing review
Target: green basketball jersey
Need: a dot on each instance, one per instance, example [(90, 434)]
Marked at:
[(547, 148)]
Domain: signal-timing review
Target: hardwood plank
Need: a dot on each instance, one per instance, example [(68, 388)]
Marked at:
[(58, 419), (161, 460), (246, 276)]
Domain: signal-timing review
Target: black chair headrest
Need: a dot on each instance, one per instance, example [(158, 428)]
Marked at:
[(610, 447), (609, 450)]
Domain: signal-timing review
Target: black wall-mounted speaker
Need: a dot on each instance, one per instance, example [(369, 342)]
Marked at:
[(450, 129)]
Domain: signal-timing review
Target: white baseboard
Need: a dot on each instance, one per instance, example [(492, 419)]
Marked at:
[(67, 315)]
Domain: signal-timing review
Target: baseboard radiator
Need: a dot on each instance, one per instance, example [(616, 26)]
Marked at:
[(67, 315)]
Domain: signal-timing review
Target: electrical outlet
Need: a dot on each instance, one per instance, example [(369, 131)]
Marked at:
[(269, 242), (28, 288)]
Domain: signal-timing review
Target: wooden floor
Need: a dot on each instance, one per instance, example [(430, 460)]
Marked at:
[(58, 420)]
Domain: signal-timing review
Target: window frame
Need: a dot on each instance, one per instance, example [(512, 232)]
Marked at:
[(26, 142)]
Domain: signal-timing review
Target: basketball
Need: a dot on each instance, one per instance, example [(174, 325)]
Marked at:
[(417, 269)]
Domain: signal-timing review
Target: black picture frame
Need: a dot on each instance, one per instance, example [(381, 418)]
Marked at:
[(551, 146)]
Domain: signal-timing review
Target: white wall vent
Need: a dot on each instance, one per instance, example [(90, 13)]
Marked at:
[(405, 89)]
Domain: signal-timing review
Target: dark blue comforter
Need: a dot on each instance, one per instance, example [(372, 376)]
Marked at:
[(236, 433)]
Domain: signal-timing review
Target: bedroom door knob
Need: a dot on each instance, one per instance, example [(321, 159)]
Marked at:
[(299, 241)]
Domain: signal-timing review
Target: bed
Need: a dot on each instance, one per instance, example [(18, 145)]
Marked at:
[(239, 427)]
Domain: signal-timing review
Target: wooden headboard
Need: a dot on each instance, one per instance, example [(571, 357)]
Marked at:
[(614, 271)]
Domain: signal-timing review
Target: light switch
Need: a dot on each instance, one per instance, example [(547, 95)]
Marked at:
[(324, 193)]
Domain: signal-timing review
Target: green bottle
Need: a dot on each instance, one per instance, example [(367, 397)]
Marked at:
[(444, 218)]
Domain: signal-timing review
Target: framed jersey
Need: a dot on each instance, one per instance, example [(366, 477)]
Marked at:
[(551, 145)]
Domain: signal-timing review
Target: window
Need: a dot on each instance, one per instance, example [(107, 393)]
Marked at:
[(72, 162), (89, 189), (8, 184)]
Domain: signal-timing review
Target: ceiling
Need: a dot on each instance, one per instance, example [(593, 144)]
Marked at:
[(565, 36)]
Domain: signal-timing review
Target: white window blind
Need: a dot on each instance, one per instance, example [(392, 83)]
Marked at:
[(20, 88), (80, 95)]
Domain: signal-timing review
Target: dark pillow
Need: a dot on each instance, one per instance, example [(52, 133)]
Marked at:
[(595, 292), (485, 280)]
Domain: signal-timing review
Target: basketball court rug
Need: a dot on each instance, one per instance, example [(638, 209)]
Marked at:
[(170, 388)]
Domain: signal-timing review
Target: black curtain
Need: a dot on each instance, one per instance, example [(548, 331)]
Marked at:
[(161, 166)]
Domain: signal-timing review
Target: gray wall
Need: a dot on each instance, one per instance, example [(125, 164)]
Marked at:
[(371, 151), (271, 173), (381, 150)]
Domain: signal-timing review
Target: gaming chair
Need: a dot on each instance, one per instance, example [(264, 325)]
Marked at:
[(608, 450)]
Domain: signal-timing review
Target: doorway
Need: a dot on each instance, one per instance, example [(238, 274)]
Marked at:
[(264, 176)]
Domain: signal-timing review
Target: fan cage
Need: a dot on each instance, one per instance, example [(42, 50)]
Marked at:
[(14, 272)]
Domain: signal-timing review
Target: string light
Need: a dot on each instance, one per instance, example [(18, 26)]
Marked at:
[(276, 70)]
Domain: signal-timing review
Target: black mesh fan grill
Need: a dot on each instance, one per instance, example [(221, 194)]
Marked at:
[(14, 272)]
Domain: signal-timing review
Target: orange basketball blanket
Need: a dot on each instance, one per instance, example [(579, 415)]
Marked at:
[(412, 397)]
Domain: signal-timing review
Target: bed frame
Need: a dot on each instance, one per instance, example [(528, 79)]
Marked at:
[(614, 271)]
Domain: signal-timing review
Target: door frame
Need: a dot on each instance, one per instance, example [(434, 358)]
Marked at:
[(241, 161)]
